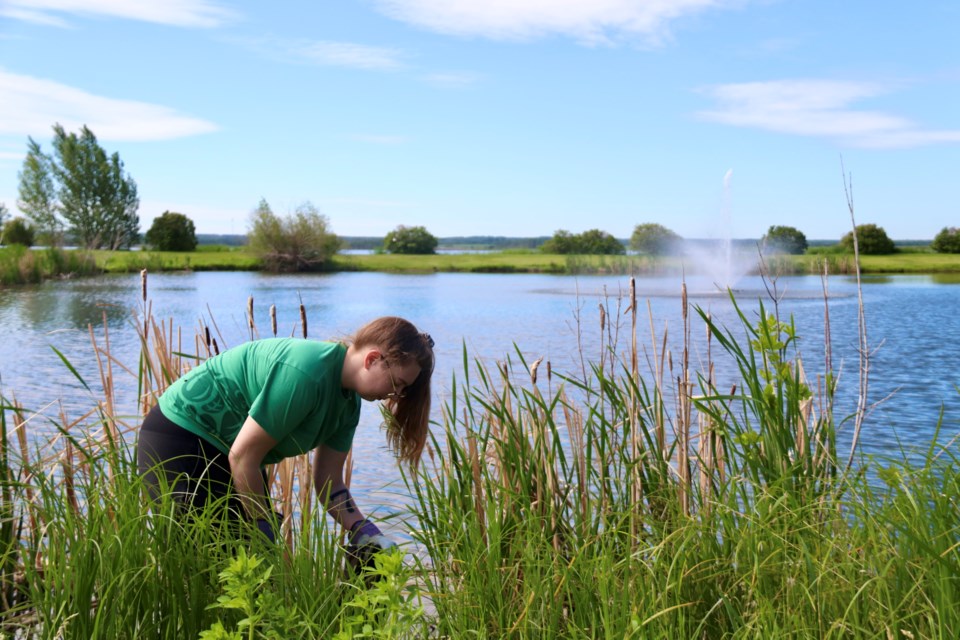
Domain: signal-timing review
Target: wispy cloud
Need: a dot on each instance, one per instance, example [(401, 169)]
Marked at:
[(181, 13), (821, 108), (30, 106), (590, 21), (451, 80), (327, 53)]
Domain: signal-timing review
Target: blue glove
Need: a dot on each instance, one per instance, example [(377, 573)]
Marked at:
[(366, 540)]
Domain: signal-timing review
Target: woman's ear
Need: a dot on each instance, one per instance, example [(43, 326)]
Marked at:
[(372, 356)]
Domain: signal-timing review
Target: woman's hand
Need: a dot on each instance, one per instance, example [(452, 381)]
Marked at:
[(366, 541)]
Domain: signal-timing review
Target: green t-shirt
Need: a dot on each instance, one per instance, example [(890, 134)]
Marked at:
[(291, 387)]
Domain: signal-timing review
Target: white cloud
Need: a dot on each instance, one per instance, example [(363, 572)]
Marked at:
[(818, 108), (348, 54), (30, 106), (591, 21), (328, 53), (181, 13)]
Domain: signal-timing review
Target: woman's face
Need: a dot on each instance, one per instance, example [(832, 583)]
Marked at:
[(386, 379)]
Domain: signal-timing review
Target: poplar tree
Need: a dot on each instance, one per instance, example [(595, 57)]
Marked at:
[(82, 186), (38, 195)]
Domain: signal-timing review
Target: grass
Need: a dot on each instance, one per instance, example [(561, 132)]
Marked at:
[(19, 265), (630, 499)]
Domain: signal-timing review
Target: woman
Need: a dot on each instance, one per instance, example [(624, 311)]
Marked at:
[(214, 429)]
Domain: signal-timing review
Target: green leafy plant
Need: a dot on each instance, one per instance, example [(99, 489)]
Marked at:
[(246, 588), (385, 605)]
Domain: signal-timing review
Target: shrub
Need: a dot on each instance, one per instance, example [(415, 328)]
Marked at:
[(410, 240), (172, 232), (591, 242), (301, 241), (654, 239), (18, 231), (785, 239), (947, 241), (871, 240)]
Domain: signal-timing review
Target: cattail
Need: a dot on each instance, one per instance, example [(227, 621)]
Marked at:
[(143, 284), (533, 370), (273, 319), (216, 349), (303, 320)]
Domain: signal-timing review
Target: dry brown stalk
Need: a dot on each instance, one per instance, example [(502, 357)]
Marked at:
[(477, 486)]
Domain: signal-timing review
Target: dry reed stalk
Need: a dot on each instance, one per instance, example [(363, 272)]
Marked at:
[(106, 378), (250, 323), (68, 479), (658, 373), (286, 471), (303, 319), (305, 482), (636, 446), (20, 427), (477, 485)]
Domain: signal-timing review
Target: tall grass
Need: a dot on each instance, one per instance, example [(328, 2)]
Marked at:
[(631, 499), (625, 506), (20, 265)]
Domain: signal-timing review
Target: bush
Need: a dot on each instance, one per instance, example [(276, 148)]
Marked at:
[(947, 241), (871, 240), (301, 241), (410, 240), (654, 239), (18, 231), (785, 240), (172, 232), (592, 242)]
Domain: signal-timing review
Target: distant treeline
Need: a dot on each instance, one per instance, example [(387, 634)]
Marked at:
[(495, 243)]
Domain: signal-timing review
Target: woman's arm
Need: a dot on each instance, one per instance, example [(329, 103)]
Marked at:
[(247, 453), (331, 489)]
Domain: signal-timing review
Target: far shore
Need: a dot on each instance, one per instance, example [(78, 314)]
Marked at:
[(239, 259), (19, 266)]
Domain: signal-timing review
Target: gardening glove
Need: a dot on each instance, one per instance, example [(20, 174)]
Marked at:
[(266, 528), (366, 541)]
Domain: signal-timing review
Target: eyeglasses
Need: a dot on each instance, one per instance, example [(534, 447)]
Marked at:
[(398, 395)]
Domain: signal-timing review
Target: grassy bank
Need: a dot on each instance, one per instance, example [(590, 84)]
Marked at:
[(615, 501), (522, 262), (19, 265)]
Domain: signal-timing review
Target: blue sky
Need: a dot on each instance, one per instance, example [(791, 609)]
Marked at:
[(715, 118)]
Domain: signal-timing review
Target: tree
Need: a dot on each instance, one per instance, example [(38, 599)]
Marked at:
[(871, 240), (785, 239), (3, 213), (654, 239), (301, 241), (38, 195), (410, 240), (17, 231), (96, 197), (591, 242), (172, 232), (947, 241)]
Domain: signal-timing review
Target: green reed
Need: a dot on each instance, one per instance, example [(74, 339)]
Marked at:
[(617, 505)]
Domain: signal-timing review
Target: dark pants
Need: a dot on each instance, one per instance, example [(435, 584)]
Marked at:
[(195, 472)]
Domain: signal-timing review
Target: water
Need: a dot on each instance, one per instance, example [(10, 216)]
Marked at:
[(911, 319)]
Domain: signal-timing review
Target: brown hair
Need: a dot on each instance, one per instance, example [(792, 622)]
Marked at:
[(408, 421)]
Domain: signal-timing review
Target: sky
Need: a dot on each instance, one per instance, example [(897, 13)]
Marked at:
[(714, 118)]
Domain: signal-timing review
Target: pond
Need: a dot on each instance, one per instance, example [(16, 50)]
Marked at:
[(912, 324)]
